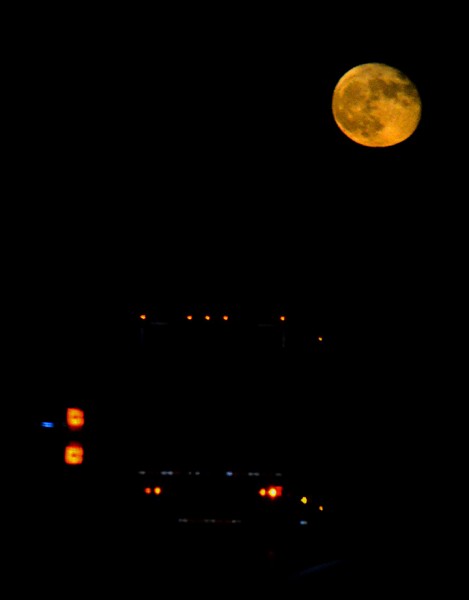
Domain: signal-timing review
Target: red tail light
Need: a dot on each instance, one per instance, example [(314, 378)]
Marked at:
[(273, 491), (157, 490)]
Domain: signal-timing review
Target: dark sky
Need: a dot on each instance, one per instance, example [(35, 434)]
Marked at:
[(197, 156)]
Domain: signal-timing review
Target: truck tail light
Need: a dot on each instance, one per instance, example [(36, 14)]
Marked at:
[(272, 492)]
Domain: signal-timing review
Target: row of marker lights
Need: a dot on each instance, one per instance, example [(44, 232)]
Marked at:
[(143, 317), (224, 318)]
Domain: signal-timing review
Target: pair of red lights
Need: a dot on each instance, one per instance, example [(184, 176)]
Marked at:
[(273, 491)]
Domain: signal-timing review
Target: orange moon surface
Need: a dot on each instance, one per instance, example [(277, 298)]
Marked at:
[(376, 105)]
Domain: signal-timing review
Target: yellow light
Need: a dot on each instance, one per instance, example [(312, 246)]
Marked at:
[(225, 317), (282, 318), (207, 317), (320, 508), (189, 317), (320, 338), (157, 490), (73, 454), (304, 500), (262, 492), (143, 317)]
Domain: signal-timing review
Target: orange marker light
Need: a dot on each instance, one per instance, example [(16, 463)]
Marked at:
[(207, 317), (73, 454), (75, 419), (143, 317)]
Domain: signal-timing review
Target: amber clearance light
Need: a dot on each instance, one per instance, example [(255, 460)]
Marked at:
[(73, 454), (75, 419)]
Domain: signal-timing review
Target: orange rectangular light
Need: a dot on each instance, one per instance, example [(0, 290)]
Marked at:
[(74, 454), (75, 419)]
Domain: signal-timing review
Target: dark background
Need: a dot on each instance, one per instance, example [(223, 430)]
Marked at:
[(189, 155)]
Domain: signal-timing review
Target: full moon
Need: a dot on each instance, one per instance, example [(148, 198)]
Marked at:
[(376, 105)]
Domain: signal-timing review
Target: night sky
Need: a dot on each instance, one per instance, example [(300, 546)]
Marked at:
[(207, 156), (205, 160), (196, 158)]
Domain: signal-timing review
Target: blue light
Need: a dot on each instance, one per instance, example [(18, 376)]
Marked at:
[(47, 424)]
